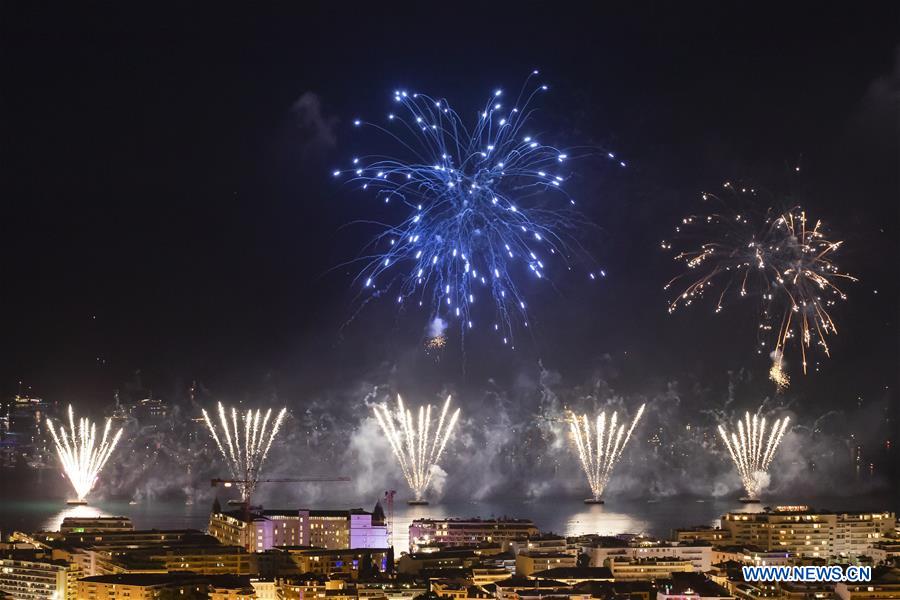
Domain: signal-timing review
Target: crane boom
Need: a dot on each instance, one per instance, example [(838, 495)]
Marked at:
[(230, 482)]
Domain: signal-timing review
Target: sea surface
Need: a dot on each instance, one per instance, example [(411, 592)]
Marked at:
[(28, 504)]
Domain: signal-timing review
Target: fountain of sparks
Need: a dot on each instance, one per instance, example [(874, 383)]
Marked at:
[(600, 448), (81, 453), (752, 451), (245, 458), (418, 449)]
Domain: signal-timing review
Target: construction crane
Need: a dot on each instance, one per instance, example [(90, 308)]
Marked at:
[(389, 502), (230, 482)]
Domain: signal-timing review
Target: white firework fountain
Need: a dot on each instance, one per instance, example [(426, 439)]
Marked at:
[(752, 451), (245, 457), (417, 445), (600, 448), (82, 454)]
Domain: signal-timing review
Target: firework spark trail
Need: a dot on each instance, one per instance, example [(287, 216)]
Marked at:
[(81, 454), (598, 462), (777, 373), (751, 451), (418, 451), (477, 210), (245, 461), (773, 256)]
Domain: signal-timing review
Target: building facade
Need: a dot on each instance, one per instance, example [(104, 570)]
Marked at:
[(809, 533), (259, 531), (36, 575), (468, 532)]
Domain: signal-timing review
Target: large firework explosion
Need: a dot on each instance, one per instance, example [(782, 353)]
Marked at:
[(600, 448), (416, 445), (245, 459), (781, 258), (752, 450), (81, 453), (481, 208)]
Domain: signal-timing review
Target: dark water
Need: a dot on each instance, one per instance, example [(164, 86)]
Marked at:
[(29, 504)]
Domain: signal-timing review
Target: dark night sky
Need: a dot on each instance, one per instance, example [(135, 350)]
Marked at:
[(165, 210)]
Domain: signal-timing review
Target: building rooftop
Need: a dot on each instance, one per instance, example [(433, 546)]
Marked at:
[(539, 554), (329, 552), (446, 553), (319, 512), (575, 573), (146, 579), (33, 555), (520, 581), (476, 520), (683, 583)]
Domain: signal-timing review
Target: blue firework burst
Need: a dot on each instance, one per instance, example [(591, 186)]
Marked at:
[(484, 206)]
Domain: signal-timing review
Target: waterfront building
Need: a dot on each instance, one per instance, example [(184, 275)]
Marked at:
[(261, 530), (810, 533), (699, 553), (468, 532), (96, 524)]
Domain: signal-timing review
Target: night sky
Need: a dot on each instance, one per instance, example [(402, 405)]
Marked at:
[(168, 206)]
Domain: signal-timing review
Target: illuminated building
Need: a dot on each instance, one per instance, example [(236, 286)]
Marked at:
[(752, 555), (690, 586), (627, 569), (575, 575), (95, 524), (148, 586), (809, 533), (266, 589), (230, 587), (885, 551), (603, 549), (263, 530), (546, 542), (468, 532), (343, 563), (37, 575), (453, 558), (713, 535), (528, 563), (337, 529), (486, 575), (23, 434), (885, 585), (517, 587), (108, 553)]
